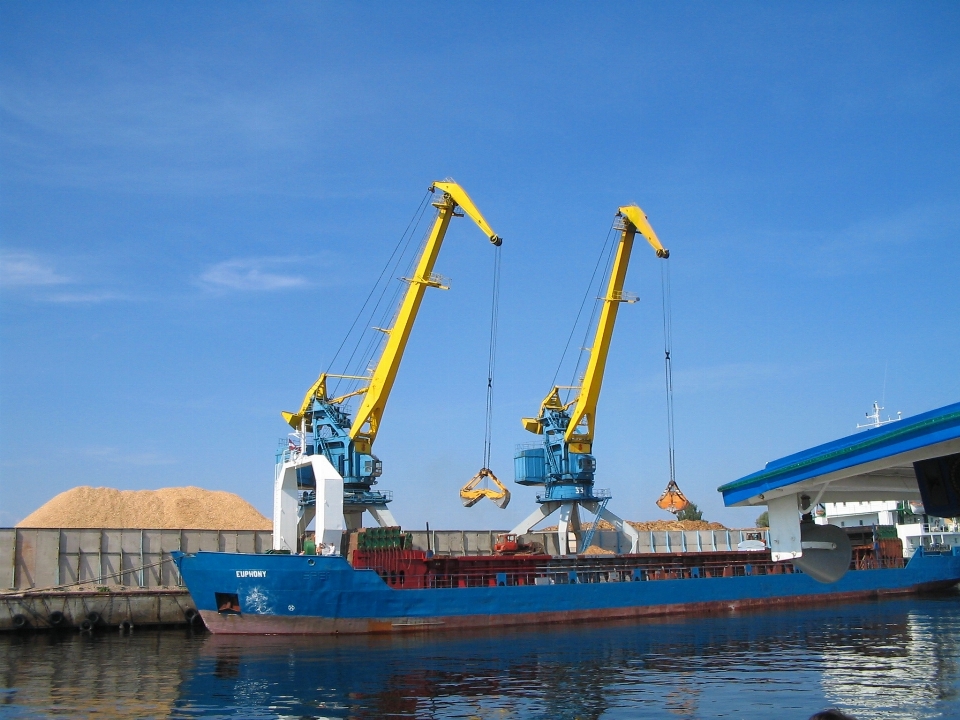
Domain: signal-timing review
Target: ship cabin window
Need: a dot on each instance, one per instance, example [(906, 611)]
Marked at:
[(228, 603), (861, 522)]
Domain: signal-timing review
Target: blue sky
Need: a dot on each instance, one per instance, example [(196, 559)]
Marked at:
[(195, 198)]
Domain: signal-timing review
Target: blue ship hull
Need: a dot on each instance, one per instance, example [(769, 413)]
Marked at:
[(299, 594)]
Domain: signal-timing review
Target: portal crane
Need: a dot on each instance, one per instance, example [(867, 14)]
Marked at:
[(563, 463), (330, 470)]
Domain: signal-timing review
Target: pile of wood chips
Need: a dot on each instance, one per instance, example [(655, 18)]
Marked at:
[(653, 525), (594, 550), (658, 525), (176, 508)]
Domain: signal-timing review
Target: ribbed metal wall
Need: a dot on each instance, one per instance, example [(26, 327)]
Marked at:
[(47, 558)]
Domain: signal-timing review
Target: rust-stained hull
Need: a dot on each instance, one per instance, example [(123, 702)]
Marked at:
[(300, 595)]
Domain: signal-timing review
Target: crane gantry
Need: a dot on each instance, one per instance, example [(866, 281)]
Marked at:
[(563, 463)]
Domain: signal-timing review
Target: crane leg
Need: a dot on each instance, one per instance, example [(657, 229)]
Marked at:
[(353, 520), (568, 529), (535, 518), (623, 527), (383, 516)]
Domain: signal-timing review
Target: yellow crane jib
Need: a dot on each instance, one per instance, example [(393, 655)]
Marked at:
[(366, 423), (579, 432), (460, 197), (326, 426), (641, 222), (470, 494)]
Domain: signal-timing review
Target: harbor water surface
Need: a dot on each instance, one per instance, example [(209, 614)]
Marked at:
[(888, 659)]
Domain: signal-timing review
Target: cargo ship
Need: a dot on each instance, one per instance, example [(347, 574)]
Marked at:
[(373, 580), (402, 590), (376, 582)]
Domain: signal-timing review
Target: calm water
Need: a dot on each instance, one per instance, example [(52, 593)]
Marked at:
[(894, 659)]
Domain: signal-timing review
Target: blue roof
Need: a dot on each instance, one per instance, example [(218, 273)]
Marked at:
[(912, 433)]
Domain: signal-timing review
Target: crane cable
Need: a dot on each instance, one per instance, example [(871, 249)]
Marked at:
[(576, 321), (492, 357), (672, 499), (401, 247), (471, 494), (667, 360)]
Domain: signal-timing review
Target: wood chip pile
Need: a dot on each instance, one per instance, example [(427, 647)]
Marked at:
[(176, 508), (594, 550), (654, 525), (658, 525)]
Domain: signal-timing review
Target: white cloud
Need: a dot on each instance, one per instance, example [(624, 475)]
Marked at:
[(250, 274), (24, 269)]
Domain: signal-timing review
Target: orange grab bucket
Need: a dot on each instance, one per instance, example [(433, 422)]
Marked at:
[(672, 499)]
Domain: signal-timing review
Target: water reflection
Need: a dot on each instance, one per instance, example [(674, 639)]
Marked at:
[(890, 659)]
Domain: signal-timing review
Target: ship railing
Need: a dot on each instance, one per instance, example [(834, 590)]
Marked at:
[(596, 494), (528, 446), (935, 529), (374, 497), (285, 455)]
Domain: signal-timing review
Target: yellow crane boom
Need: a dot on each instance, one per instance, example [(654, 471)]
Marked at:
[(579, 433), (580, 430), (366, 423)]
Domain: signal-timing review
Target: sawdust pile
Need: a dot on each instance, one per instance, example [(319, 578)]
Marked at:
[(658, 525), (653, 525), (176, 508), (594, 550)]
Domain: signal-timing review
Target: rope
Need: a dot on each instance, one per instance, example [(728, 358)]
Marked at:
[(583, 302), (492, 356), (597, 304), (391, 307), (667, 359), (402, 244), (100, 578)]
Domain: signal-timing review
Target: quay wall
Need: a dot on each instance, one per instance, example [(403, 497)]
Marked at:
[(60, 578)]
